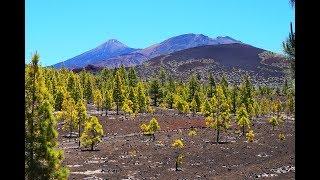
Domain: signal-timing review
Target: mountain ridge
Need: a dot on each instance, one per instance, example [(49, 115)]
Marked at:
[(113, 53)]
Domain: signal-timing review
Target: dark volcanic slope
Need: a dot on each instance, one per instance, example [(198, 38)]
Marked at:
[(233, 60), (229, 55)]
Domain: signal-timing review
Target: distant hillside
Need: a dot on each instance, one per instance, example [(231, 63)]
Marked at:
[(233, 60), (113, 53), (109, 49)]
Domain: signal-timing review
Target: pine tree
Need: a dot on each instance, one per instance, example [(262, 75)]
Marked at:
[(193, 87), (60, 95), (224, 84), (181, 104), (42, 158), (256, 108), (69, 114), (234, 98), (178, 144), (243, 118), (132, 76), (108, 100), (142, 100), (212, 86), (134, 99), (289, 49), (290, 104), (171, 85), (88, 89), (220, 116), (151, 128), (97, 99), (162, 76), (285, 88), (92, 133), (81, 116), (264, 106), (193, 106), (155, 91), (71, 84), (251, 111), (206, 108), (277, 108), (247, 93), (198, 101), (170, 100), (118, 91), (104, 74), (126, 107)]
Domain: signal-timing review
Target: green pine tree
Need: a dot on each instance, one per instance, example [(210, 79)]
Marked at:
[(42, 158), (92, 133), (118, 91)]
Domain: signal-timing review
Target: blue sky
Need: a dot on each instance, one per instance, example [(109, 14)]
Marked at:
[(62, 29)]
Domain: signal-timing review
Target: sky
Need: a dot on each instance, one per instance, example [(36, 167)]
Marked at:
[(61, 29)]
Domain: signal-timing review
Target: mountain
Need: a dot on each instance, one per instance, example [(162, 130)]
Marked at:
[(184, 41), (109, 49), (113, 53), (170, 45), (232, 60)]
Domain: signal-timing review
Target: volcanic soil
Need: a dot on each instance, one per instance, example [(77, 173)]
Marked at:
[(125, 153)]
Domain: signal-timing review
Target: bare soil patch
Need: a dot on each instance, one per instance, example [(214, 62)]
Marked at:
[(126, 154)]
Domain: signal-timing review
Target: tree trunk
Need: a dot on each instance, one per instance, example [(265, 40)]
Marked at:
[(106, 112), (272, 128), (70, 129), (153, 137), (117, 108), (79, 133), (218, 132), (177, 163), (243, 130), (92, 144)]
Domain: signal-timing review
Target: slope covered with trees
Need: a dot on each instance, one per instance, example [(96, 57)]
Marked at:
[(63, 96)]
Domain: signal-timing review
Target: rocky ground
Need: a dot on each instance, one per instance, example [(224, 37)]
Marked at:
[(127, 154)]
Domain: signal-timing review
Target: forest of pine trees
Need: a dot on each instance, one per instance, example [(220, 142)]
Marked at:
[(53, 95)]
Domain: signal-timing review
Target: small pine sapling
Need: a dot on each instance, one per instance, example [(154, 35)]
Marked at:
[(250, 136), (274, 122), (282, 136), (178, 145), (192, 132), (151, 128)]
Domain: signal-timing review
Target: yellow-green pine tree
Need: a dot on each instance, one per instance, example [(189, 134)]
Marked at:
[(92, 133)]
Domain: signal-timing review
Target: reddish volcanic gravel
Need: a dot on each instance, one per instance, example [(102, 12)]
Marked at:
[(126, 154)]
